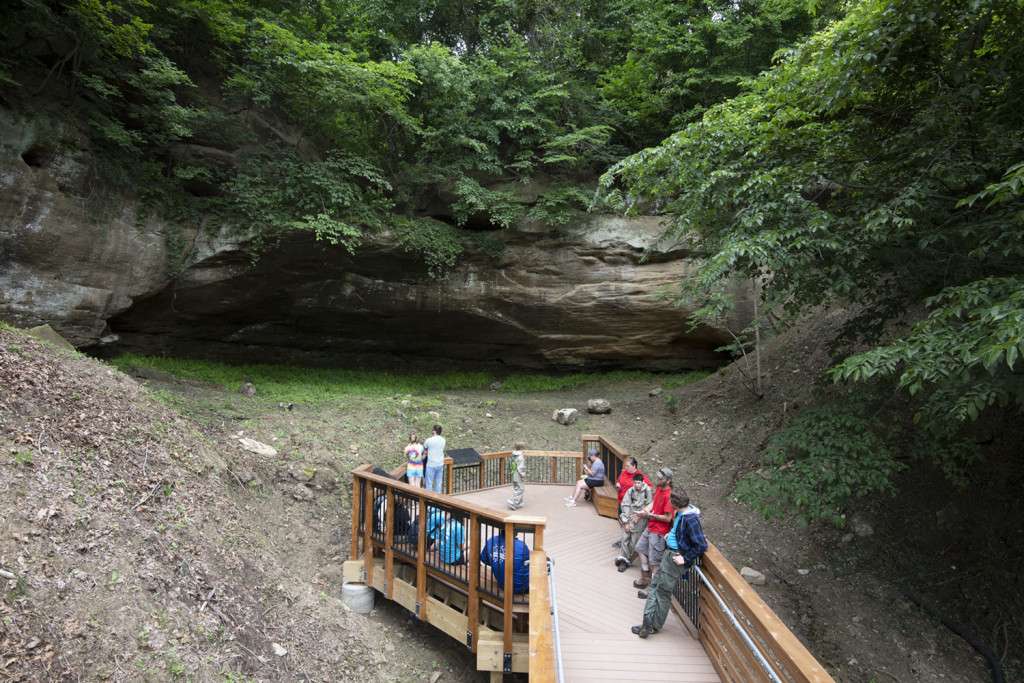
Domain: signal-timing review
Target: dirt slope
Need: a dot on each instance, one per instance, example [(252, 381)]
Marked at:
[(137, 554)]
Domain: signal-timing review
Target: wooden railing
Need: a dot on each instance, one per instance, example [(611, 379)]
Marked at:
[(492, 470), (730, 654), (542, 646), (444, 582)]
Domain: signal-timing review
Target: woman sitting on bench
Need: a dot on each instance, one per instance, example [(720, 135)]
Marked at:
[(593, 478)]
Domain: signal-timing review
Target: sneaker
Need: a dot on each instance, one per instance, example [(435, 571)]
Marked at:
[(569, 499), (642, 595), (570, 504), (617, 544)]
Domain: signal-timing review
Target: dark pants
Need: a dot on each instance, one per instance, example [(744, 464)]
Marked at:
[(659, 594)]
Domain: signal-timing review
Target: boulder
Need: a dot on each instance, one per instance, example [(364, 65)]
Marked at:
[(656, 391), (247, 389), (50, 336), (599, 406), (565, 416), (257, 447), (753, 577)]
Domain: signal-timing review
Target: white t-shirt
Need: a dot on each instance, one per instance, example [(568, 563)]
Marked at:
[(435, 450)]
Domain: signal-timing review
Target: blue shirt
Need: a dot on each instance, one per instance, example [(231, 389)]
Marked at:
[(671, 538), (493, 555), (449, 536), (597, 470)]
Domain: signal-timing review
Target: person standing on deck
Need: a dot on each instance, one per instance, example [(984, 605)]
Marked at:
[(435, 446), (636, 499), (659, 519), (414, 461), (685, 542), (625, 482), (517, 468)]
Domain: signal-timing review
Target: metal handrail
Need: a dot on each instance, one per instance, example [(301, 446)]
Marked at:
[(554, 621), (739, 627)]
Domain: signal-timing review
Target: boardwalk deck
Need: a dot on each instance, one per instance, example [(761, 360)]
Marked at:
[(596, 603)]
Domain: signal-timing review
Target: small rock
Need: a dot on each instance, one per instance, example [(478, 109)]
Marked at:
[(435, 677), (803, 572), (675, 433), (4, 574), (278, 649), (245, 475), (846, 538), (656, 391), (488, 415), (857, 619), (495, 386), (247, 389), (599, 406), (257, 447), (862, 527), (436, 416), (33, 644), (354, 448), (565, 416), (753, 577), (301, 493)]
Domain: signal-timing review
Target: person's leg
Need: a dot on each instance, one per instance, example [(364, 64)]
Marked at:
[(643, 549), (431, 479), (580, 488), (438, 486), (660, 599), (656, 551)]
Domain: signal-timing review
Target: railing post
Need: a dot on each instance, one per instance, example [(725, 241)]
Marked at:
[(472, 596), (449, 483), (421, 562), (502, 474), (389, 542), (508, 594), (481, 467), (554, 469), (356, 483), (368, 532)]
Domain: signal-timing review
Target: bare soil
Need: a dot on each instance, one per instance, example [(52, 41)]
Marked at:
[(148, 545)]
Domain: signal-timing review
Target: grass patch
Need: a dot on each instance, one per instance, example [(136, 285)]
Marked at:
[(314, 385)]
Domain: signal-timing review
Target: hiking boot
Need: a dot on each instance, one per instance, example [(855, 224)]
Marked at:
[(642, 595), (643, 630), (622, 563), (644, 581), (617, 544)]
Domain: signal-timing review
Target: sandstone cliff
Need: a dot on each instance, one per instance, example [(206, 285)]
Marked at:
[(589, 295)]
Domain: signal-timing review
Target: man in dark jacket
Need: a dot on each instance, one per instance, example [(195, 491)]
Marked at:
[(684, 543)]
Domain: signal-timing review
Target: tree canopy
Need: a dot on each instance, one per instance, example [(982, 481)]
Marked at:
[(878, 165), (341, 118)]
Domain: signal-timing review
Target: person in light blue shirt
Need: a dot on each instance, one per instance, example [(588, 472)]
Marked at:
[(448, 535), (434, 446)]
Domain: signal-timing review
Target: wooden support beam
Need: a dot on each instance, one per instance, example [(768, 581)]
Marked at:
[(473, 599), (389, 543), (357, 484), (368, 532), (421, 562), (508, 591)]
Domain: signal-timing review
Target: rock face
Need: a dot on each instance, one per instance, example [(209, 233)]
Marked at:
[(588, 295)]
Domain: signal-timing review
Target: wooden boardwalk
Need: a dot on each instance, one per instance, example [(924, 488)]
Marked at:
[(596, 603)]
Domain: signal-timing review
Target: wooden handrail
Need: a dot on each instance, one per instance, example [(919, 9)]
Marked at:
[(542, 645), (448, 501), (778, 644)]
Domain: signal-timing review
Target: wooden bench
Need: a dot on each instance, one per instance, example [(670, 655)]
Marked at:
[(606, 500)]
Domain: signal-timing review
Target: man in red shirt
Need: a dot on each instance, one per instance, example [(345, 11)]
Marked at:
[(651, 545), (629, 468)]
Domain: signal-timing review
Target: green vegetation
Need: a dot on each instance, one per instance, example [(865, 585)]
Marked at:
[(313, 385), (343, 118), (877, 165)]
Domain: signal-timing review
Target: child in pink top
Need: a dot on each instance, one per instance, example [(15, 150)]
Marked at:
[(414, 460)]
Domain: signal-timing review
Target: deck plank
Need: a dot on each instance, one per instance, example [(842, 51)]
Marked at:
[(596, 603)]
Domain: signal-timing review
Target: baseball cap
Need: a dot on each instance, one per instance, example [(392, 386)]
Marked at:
[(665, 472)]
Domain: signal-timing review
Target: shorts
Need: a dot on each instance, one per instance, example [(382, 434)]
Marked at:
[(414, 470), (652, 545), (594, 483)]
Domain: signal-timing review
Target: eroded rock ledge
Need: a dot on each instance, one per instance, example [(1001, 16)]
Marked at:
[(583, 296)]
